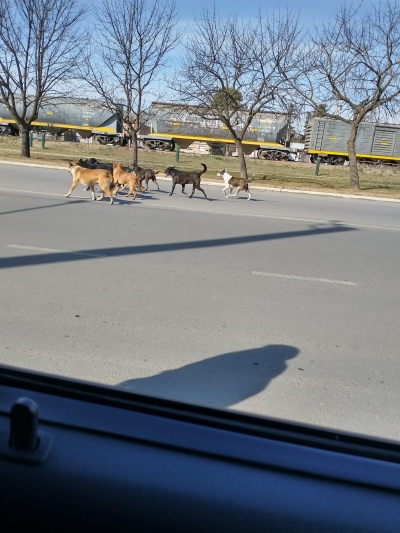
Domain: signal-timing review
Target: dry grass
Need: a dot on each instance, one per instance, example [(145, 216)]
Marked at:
[(374, 181)]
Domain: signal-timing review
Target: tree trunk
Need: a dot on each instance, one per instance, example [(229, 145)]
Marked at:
[(351, 148), (25, 146), (135, 147), (241, 158)]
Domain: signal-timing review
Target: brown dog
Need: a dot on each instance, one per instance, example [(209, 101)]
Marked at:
[(89, 178), (122, 178)]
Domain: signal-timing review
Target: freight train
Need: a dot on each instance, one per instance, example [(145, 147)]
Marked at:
[(375, 143), (88, 118), (171, 126)]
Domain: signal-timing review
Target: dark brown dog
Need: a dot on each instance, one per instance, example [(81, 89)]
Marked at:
[(145, 174), (180, 177), (92, 164)]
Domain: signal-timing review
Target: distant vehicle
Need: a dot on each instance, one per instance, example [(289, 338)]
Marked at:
[(170, 126), (375, 143), (88, 118)]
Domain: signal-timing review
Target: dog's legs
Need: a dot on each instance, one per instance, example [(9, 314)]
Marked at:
[(74, 184), (194, 187), (156, 182), (173, 187), (248, 192), (109, 192), (93, 193), (202, 190), (224, 189), (230, 192), (183, 189), (106, 190), (133, 191)]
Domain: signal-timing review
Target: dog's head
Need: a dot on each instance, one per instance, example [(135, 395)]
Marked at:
[(73, 166), (220, 174), (169, 171), (116, 165)]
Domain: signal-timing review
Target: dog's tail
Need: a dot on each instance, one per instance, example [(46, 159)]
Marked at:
[(249, 180), (204, 169)]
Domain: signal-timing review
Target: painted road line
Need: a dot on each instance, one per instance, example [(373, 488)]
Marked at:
[(53, 250), (304, 278), (226, 213)]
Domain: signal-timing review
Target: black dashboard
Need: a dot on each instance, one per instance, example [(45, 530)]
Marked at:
[(76, 456)]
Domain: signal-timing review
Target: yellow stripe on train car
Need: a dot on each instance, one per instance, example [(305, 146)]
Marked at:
[(169, 136), (370, 156), (63, 126)]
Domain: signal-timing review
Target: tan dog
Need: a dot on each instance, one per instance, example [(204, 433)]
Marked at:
[(89, 178), (122, 178)]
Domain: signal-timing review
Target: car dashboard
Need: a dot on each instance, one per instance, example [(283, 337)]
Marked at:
[(75, 456)]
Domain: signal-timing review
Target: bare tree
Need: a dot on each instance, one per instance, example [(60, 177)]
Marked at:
[(232, 68), (352, 64), (39, 53), (135, 39)]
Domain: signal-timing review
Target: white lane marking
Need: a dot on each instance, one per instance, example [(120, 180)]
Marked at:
[(303, 278), (272, 217), (32, 192), (53, 250), (231, 213)]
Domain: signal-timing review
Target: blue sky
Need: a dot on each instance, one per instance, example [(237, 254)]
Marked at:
[(311, 9)]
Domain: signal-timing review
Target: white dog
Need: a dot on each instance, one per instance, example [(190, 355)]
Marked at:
[(231, 183)]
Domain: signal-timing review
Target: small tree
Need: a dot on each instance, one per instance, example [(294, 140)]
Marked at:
[(232, 69), (352, 64), (135, 39), (39, 54)]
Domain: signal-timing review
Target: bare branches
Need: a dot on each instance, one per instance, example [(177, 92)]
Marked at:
[(122, 68), (39, 49), (232, 69), (354, 61), (352, 65), (39, 54)]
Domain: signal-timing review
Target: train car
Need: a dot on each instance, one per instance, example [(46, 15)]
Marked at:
[(375, 143), (170, 126), (88, 118)]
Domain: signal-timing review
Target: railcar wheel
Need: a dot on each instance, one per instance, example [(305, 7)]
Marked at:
[(157, 144), (265, 154), (100, 139), (339, 161)]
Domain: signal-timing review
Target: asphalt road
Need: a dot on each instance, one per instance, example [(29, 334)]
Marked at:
[(286, 305)]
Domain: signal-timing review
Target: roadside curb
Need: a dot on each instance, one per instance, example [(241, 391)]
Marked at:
[(219, 184)]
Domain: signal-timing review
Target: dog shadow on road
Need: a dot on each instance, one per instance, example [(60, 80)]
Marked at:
[(219, 381)]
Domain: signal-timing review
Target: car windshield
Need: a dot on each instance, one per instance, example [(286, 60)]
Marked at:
[(211, 246)]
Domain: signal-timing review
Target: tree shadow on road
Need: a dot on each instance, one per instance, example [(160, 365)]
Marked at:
[(79, 255)]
